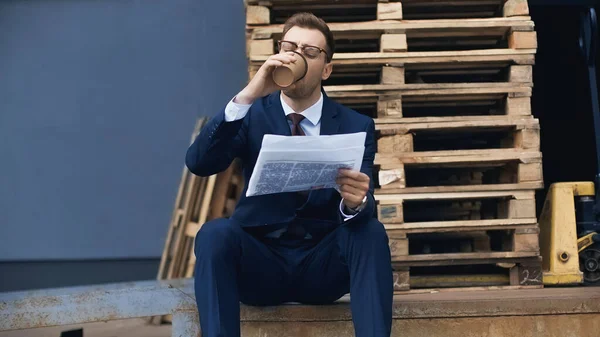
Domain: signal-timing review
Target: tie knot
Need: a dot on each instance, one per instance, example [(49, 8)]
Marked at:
[(296, 118)]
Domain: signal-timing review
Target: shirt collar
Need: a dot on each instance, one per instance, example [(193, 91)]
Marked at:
[(312, 113)]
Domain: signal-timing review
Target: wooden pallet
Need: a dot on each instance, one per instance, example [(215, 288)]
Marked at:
[(449, 100), (412, 36), (198, 200), (439, 210), (422, 243), (502, 273), (394, 136), (260, 12), (457, 171), (428, 67)]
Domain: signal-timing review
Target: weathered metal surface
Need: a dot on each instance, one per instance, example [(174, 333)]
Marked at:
[(448, 305), (63, 306), (538, 309), (185, 324), (503, 326)]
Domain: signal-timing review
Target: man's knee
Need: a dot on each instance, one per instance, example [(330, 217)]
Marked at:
[(372, 231), (215, 238)]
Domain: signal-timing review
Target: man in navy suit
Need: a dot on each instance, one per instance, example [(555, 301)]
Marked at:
[(291, 247)]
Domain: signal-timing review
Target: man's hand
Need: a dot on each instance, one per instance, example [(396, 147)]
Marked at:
[(354, 186), (262, 83)]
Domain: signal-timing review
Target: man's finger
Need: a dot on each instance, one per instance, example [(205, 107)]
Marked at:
[(352, 190), (358, 175), (351, 198), (352, 182)]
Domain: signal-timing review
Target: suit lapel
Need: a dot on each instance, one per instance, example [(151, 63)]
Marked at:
[(329, 122), (276, 115)]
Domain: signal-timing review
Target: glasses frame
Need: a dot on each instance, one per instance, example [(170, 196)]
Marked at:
[(279, 42)]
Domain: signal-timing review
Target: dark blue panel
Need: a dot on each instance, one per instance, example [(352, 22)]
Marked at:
[(97, 103)]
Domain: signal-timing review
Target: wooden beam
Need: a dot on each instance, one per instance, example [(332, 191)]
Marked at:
[(521, 74), (515, 8), (258, 15), (522, 40), (261, 47), (393, 43), (389, 11)]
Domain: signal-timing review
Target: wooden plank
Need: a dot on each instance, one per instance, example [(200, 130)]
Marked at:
[(390, 214), (258, 15), (392, 75), (430, 290), (534, 185), (521, 74), (395, 143), (393, 43), (488, 257), (398, 246), (522, 40), (463, 281), (189, 270), (413, 28), (450, 119), (443, 90), (261, 47), (391, 199), (389, 11), (518, 106), (515, 8), (464, 156), (457, 226), (401, 280), (463, 124), (486, 55), (528, 139), (526, 242), (530, 273), (530, 172), (389, 107), (518, 209)]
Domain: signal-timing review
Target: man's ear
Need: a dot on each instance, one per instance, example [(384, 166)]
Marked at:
[(327, 71)]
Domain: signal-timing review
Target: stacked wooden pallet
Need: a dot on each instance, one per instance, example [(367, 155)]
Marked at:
[(448, 84), (199, 199)]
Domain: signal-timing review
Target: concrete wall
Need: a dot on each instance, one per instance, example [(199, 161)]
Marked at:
[(97, 103)]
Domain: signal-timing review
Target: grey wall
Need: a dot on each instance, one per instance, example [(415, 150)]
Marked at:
[(97, 103)]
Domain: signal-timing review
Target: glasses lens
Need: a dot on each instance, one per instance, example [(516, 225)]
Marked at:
[(288, 46), (312, 52)]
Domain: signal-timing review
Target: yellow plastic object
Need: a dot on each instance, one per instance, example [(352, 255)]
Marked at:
[(558, 233)]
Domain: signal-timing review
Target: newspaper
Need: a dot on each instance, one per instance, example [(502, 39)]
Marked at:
[(300, 163)]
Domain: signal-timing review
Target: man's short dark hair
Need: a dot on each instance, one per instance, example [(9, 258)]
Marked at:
[(311, 21)]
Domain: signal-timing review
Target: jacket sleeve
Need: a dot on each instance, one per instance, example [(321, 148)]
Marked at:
[(367, 168), (217, 145)]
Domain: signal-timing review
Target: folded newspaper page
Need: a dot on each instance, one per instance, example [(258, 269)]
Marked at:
[(300, 163)]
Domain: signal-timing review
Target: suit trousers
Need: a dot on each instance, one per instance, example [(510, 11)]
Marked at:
[(234, 266)]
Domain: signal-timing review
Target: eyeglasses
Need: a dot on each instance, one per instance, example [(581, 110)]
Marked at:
[(309, 51)]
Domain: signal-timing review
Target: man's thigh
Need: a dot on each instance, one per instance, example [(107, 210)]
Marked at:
[(263, 276), (322, 277), (325, 273)]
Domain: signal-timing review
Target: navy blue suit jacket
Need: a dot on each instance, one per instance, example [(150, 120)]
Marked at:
[(219, 142)]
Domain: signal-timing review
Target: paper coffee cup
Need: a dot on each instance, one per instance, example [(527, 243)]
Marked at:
[(288, 74)]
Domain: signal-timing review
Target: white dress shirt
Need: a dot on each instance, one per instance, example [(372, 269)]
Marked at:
[(311, 124)]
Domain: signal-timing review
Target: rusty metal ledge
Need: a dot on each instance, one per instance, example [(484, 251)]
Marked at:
[(549, 301), (32, 309)]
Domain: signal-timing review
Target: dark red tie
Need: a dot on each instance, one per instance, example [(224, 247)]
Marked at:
[(296, 119)]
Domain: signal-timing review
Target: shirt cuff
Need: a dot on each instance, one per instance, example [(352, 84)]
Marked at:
[(346, 216), (235, 111)]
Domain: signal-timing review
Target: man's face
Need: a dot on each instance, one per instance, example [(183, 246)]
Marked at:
[(318, 68)]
